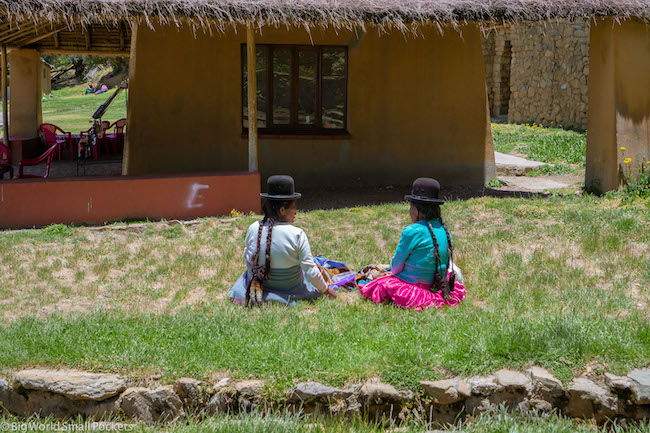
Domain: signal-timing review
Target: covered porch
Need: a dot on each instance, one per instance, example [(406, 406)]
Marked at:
[(97, 191)]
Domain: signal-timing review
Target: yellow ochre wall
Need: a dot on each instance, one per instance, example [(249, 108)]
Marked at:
[(417, 106), (24, 93), (619, 101)]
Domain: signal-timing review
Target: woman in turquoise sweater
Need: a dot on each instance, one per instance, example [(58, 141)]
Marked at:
[(422, 271)]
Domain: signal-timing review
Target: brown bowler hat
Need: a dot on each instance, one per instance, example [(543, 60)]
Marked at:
[(281, 187), (425, 190)]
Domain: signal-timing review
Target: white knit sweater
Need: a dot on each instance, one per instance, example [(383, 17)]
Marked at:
[(289, 248)]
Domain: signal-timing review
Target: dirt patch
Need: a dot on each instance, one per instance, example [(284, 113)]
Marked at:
[(541, 183), (640, 300)]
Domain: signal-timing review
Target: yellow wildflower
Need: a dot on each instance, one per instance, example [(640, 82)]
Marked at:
[(622, 148), (627, 160)]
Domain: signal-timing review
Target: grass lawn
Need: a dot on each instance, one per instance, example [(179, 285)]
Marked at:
[(71, 110), (563, 150), (501, 422), (561, 282)]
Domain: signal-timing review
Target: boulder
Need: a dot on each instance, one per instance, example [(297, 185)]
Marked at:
[(588, 400), (44, 404), (512, 381), (446, 391), (223, 383), (310, 391), (73, 384), (483, 386), (619, 385), (545, 385), (640, 385), (151, 405), (191, 391), (224, 401), (11, 401), (375, 391), (249, 388)]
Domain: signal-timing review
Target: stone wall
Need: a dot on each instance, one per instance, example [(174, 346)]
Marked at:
[(548, 71), (71, 393), (497, 52)]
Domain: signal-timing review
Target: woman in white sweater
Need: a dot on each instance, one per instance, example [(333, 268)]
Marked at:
[(277, 255)]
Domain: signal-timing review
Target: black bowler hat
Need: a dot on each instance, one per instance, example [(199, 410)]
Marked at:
[(425, 190), (281, 187)]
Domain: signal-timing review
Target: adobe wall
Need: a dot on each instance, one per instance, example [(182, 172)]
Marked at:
[(25, 94), (36, 202), (417, 106), (546, 74), (619, 115)]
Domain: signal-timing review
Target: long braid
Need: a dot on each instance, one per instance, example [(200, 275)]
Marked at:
[(271, 209), (267, 256), (254, 292), (256, 256), (450, 259), (440, 281)]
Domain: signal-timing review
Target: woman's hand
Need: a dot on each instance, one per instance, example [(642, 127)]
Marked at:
[(331, 293)]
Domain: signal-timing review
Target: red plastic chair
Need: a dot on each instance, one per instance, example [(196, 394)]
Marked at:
[(5, 161), (117, 136), (101, 140), (49, 131), (48, 155)]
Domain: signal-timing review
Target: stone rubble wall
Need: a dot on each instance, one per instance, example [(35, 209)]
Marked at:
[(71, 393), (497, 54), (548, 72)]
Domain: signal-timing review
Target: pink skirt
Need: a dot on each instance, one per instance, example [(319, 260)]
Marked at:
[(408, 295)]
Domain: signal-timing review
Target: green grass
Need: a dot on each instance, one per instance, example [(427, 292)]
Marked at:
[(500, 422), (544, 144), (71, 110), (560, 282), (554, 170)]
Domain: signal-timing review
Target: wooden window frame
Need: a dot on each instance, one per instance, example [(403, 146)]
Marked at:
[(294, 128)]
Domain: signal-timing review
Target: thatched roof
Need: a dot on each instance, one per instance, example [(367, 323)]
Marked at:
[(105, 25), (330, 12)]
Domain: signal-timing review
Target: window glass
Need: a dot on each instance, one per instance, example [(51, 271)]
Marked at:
[(281, 86), (307, 69), (262, 85), (298, 87), (333, 85)]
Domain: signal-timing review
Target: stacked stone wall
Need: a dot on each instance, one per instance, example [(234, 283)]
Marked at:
[(548, 72), (497, 49), (72, 393)]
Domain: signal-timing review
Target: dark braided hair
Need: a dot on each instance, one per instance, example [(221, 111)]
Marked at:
[(254, 291), (440, 282)]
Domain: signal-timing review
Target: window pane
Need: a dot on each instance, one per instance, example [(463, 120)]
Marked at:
[(307, 65), (333, 86), (262, 85), (281, 86)]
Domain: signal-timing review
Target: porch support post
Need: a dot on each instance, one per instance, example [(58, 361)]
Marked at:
[(252, 99), (618, 124), (25, 82), (5, 105)]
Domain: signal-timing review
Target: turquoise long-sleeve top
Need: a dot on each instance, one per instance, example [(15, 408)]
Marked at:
[(414, 261)]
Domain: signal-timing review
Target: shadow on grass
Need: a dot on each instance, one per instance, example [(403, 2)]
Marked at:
[(351, 196)]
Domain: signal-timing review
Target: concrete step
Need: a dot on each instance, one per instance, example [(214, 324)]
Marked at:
[(509, 165)]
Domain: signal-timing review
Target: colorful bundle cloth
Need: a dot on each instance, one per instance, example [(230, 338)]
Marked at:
[(371, 272), (336, 274)]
